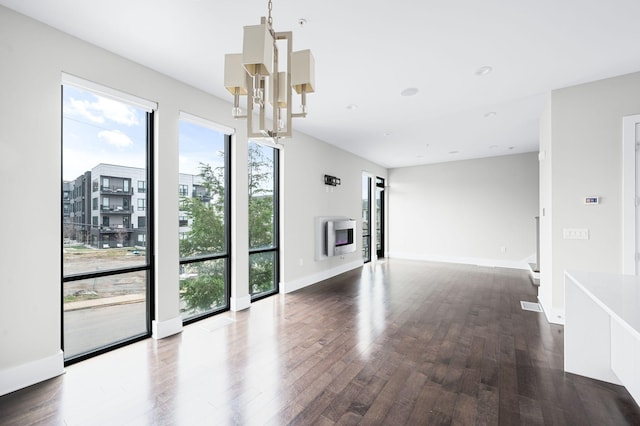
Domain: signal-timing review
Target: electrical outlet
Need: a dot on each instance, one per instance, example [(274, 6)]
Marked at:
[(575, 233)]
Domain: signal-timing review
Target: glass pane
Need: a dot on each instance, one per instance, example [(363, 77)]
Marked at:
[(379, 201), (262, 189), (366, 215), (202, 190), (104, 150), (262, 276), (102, 311), (202, 287), (380, 217)]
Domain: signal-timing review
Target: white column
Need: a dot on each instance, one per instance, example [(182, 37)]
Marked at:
[(240, 298), (167, 281)]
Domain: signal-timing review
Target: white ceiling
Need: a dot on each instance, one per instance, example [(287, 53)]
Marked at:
[(368, 51)]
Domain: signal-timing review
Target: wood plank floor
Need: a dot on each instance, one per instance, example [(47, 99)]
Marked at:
[(397, 343)]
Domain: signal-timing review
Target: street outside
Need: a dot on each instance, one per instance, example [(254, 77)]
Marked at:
[(101, 311), (91, 328)]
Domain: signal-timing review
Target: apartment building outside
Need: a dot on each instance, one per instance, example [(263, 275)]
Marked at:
[(107, 206)]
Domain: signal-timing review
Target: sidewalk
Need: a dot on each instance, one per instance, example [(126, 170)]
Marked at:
[(103, 301)]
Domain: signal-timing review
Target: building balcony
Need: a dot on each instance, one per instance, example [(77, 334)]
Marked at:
[(115, 229), (115, 210), (115, 190)]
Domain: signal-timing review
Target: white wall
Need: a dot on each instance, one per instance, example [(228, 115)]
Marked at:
[(476, 211), (586, 147), (33, 58), (306, 161)]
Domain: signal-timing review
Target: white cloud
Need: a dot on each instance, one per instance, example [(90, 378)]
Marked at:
[(76, 162), (83, 109), (116, 111), (103, 108), (116, 138)]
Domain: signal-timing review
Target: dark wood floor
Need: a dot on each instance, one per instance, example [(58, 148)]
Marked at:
[(400, 343)]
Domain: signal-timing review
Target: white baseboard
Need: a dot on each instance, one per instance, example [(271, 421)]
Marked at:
[(240, 303), (494, 263), (554, 316), (162, 329), (23, 375), (288, 287)]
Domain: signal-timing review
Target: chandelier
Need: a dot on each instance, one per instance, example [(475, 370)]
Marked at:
[(255, 73)]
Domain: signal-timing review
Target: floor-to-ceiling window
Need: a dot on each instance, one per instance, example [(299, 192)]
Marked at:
[(366, 218), (263, 220), (106, 253), (203, 218), (379, 217)]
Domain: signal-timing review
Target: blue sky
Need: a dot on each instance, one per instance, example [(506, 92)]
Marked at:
[(199, 144), (100, 130), (97, 130)]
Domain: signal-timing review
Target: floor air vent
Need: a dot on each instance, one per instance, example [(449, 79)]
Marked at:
[(530, 306)]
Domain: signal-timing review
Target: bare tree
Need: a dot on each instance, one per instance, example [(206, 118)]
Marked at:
[(121, 235), (68, 231)]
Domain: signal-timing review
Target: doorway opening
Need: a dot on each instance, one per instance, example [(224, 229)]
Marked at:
[(366, 218), (380, 204)]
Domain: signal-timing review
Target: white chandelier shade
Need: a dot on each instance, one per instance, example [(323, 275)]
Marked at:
[(235, 77), (257, 50), (303, 77)]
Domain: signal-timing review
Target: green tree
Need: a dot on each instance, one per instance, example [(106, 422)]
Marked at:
[(203, 287), (206, 214), (202, 283), (261, 219), (261, 209)]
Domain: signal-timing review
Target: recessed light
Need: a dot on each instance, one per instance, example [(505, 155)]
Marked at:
[(493, 147), (511, 147), (387, 134), (352, 106), (409, 91), (454, 152), (484, 70), (490, 114)]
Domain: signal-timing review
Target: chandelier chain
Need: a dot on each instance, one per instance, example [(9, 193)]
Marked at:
[(270, 20)]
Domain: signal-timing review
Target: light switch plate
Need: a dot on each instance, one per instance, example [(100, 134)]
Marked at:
[(592, 200), (575, 233)]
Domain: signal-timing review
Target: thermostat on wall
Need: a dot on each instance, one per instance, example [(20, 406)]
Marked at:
[(592, 200)]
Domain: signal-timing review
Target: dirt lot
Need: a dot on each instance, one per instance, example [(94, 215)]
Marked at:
[(83, 260)]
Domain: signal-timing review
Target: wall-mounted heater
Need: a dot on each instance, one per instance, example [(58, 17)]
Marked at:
[(335, 236), (340, 237)]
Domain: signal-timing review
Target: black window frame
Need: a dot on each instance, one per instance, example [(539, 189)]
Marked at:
[(226, 256), (275, 248), (148, 267), (367, 236), (380, 194)]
